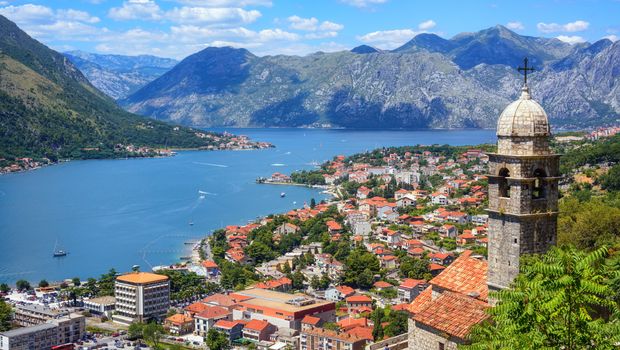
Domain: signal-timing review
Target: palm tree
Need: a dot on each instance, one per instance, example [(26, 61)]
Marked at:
[(561, 300)]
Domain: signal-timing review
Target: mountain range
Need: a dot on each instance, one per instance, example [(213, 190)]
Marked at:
[(429, 82), (116, 75), (49, 109)]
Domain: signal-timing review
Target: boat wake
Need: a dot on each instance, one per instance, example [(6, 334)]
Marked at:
[(278, 164), (211, 164)]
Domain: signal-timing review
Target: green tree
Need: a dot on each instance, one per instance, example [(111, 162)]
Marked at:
[(6, 315), (315, 282), (135, 330), (413, 268), (312, 203), (559, 301), (22, 285), (298, 280), (217, 340), (76, 281), (377, 319), (43, 284), (152, 333), (397, 323), (4, 288)]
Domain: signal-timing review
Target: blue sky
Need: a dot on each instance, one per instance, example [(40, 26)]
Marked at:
[(177, 28)]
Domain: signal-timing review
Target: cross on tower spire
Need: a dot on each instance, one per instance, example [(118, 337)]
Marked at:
[(525, 69)]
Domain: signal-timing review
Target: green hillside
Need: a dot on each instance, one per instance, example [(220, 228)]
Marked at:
[(49, 109)]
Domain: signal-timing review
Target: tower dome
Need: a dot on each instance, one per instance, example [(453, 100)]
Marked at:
[(523, 118)]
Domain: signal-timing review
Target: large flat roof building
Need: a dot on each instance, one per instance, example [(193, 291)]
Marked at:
[(280, 309)]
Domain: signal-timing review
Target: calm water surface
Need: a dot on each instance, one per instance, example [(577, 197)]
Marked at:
[(117, 213)]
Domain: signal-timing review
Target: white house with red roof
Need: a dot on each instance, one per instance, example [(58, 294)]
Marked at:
[(410, 288)]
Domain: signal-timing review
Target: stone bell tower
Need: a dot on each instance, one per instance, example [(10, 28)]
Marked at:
[(523, 189)]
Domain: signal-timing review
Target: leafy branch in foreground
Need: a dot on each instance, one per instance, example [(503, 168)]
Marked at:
[(561, 300)]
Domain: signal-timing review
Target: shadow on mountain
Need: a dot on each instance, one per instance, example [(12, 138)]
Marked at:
[(347, 110), (289, 113)]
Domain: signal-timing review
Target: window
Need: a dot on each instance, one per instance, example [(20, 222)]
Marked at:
[(539, 184), (504, 187), (441, 346)]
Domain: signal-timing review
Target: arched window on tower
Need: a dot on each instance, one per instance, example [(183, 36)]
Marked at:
[(504, 188), (539, 184)]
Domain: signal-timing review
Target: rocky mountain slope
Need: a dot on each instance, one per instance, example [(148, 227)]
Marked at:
[(429, 82), (118, 76), (49, 109)]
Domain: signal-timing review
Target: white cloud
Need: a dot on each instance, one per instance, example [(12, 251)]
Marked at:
[(426, 25), (571, 27), (327, 25), (195, 15), (45, 23), (388, 39), (299, 23), (515, 25), (136, 9), (225, 3), (612, 37), (321, 35), (574, 39), (312, 24), (363, 3)]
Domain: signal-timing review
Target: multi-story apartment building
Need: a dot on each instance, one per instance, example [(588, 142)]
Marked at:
[(313, 338), (140, 297), (32, 314), (39, 337), (70, 327)]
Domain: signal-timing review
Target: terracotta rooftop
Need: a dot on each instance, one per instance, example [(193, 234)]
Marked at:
[(382, 284), (465, 275), (361, 332), (453, 313), (359, 299), (345, 337), (257, 325), (142, 278), (421, 300), (226, 324), (311, 320), (410, 283), (350, 322), (179, 319), (213, 312), (196, 307)]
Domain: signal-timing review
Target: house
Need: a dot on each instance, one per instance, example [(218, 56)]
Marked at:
[(237, 255), (179, 324), (287, 228), (448, 230), (406, 201), (333, 227), (400, 194), (283, 284), (444, 259), (323, 339), (410, 288), (285, 336), (350, 323), (382, 285), (339, 293), (206, 319), (310, 321), (435, 269), (439, 198), (388, 262), (358, 301), (363, 192), (361, 228), (465, 238), (258, 330), (232, 329), (211, 268)]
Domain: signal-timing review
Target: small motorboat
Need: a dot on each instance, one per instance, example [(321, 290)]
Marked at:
[(282, 195)]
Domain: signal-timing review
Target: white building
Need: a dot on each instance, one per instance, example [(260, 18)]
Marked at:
[(140, 297)]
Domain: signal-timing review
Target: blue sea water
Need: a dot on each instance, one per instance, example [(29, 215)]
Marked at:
[(117, 213)]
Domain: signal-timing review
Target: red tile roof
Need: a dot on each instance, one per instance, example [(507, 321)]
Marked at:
[(382, 284), (311, 320), (453, 313), (209, 264), (345, 290), (361, 332), (226, 324), (359, 299), (465, 275), (410, 283), (435, 267), (213, 312), (196, 307), (257, 325), (421, 300), (179, 319), (350, 322)]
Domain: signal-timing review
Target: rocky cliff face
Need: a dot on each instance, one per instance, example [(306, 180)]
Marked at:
[(430, 82), (119, 76)]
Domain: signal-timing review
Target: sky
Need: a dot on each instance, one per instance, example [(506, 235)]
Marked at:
[(178, 28)]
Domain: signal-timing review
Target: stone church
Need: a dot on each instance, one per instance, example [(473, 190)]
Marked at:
[(523, 208)]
